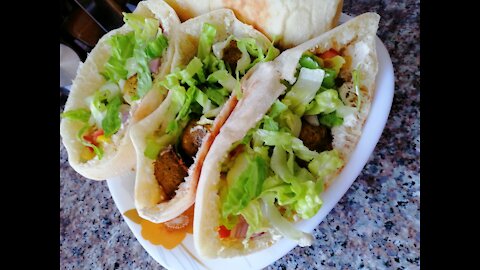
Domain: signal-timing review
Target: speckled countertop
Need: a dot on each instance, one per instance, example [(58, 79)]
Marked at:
[(376, 225)]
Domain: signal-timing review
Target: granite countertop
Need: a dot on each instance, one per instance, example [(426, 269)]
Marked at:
[(376, 225)]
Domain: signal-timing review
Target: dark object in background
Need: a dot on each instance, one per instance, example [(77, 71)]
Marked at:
[(84, 22)]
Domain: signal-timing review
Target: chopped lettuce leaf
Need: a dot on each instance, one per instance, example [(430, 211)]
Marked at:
[(304, 190), (279, 165), (277, 108), (224, 78), (213, 112), (287, 141), (81, 114), (112, 121), (156, 47), (252, 47), (212, 64), (291, 121), (356, 84), (244, 188), (325, 102), (282, 190), (244, 61), (307, 61), (326, 163), (144, 76), (190, 97), (193, 67), (122, 49), (309, 202), (227, 81), (218, 96), (304, 90), (331, 120), (269, 123), (145, 28), (205, 42), (98, 103), (329, 79), (283, 226), (172, 127), (203, 100), (272, 53)]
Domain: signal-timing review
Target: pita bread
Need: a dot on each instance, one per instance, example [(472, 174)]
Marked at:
[(288, 22), (118, 156), (355, 40), (187, 9)]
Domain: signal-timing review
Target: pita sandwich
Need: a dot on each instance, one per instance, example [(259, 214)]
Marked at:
[(213, 53), (286, 140), (114, 88)]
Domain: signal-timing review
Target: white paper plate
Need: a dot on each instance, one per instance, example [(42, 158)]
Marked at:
[(185, 256)]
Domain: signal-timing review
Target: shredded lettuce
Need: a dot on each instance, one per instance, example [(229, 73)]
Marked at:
[(132, 52), (292, 121), (326, 163), (287, 141), (82, 115), (282, 225), (145, 28), (308, 200), (99, 101), (156, 47), (272, 53), (227, 81), (277, 108), (122, 49), (325, 102), (144, 77), (217, 95), (356, 83), (331, 120), (303, 190), (307, 61), (244, 61), (269, 123), (112, 121), (194, 67), (304, 90), (205, 42), (282, 190), (244, 188), (329, 79)]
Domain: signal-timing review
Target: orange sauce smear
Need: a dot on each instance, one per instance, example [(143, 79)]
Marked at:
[(167, 234)]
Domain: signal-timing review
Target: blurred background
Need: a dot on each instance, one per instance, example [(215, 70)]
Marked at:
[(82, 24)]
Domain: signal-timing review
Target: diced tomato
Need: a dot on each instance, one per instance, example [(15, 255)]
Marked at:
[(223, 232), (97, 133), (92, 137), (329, 54)]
